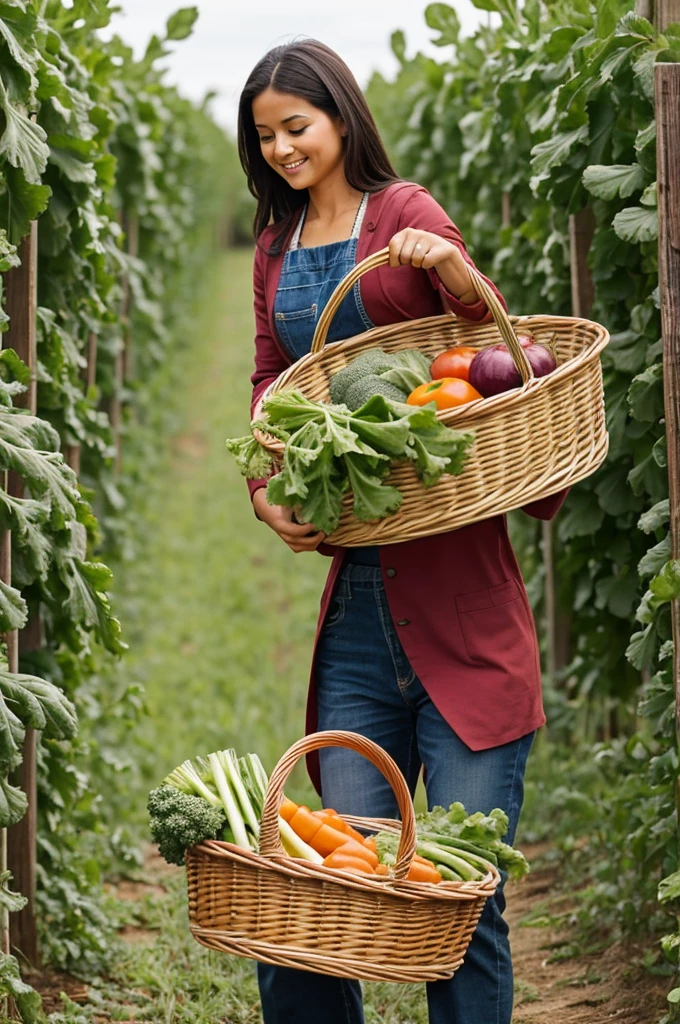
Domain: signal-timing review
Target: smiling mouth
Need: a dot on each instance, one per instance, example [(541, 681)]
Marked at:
[(298, 163)]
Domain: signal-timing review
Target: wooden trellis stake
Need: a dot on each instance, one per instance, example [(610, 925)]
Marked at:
[(581, 230), (21, 303), (124, 366), (667, 100)]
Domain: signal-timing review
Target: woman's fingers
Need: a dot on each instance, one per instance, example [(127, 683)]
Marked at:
[(408, 248), (310, 542), (298, 536), (419, 248)]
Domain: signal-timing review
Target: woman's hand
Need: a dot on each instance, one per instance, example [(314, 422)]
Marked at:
[(427, 250), (298, 537)]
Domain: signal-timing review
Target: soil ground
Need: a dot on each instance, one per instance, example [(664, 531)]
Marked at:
[(592, 988)]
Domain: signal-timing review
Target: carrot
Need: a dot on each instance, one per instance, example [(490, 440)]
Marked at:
[(370, 843), (332, 818), (359, 850), (426, 872), (305, 825), (382, 869), (347, 862), (328, 839), (287, 809)]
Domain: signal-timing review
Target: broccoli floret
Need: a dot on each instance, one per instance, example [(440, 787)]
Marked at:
[(373, 360), (368, 386), (179, 821)]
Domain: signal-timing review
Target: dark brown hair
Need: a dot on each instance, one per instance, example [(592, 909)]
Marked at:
[(313, 71)]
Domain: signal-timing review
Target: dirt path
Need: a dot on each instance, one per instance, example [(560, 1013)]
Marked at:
[(592, 988)]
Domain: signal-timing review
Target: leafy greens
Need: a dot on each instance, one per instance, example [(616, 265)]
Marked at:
[(330, 450)]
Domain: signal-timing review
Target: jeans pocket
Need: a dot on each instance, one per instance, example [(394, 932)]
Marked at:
[(338, 603), (298, 314), (296, 329), (336, 612)]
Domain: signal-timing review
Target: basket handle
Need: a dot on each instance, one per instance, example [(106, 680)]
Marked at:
[(270, 841), (379, 259)]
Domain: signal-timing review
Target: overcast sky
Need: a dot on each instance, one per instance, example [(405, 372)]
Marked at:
[(230, 38)]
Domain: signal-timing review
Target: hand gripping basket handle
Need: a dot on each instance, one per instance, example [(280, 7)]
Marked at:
[(270, 842), (379, 259)]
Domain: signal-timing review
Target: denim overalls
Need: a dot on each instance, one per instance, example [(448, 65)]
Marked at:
[(366, 683), (308, 279)]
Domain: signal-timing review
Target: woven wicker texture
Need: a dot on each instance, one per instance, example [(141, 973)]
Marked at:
[(293, 913), (529, 442)]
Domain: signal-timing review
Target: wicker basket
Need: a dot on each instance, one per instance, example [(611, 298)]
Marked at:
[(293, 913), (529, 442)]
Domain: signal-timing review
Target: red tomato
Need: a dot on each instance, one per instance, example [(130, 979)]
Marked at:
[(455, 362), (446, 393)]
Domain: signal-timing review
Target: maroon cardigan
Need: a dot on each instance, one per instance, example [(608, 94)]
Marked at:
[(457, 599)]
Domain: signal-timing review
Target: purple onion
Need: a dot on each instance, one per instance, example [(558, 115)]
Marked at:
[(493, 369)]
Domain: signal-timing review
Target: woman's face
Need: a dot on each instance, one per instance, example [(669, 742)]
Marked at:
[(300, 142)]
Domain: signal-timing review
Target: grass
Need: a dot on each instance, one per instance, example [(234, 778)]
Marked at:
[(220, 616), (218, 612)]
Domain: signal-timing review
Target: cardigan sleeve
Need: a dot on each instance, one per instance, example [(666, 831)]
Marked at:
[(545, 508), (422, 211), (269, 360)]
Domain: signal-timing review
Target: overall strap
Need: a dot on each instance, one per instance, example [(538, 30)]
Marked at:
[(356, 227), (295, 240), (359, 219)]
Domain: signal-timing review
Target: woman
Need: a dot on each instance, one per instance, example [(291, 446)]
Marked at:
[(427, 647)]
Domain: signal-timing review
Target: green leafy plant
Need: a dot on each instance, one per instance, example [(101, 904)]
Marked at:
[(547, 113)]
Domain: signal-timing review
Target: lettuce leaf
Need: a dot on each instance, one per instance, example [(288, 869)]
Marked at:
[(330, 450)]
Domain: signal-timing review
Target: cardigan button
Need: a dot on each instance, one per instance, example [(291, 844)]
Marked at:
[(391, 573), (403, 622)]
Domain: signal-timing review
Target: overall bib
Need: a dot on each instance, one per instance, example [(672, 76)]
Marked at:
[(308, 279)]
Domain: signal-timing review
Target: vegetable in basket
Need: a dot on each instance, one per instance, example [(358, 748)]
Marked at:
[(475, 838), (220, 796), (493, 369), (450, 844), (330, 449), (402, 371), (448, 393), (454, 362)]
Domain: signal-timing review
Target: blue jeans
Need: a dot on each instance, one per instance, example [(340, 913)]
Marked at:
[(366, 684)]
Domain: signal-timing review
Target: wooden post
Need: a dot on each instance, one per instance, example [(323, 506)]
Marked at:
[(131, 228), (558, 623), (581, 230), (21, 304), (667, 100), (124, 366), (661, 13), (89, 371), (505, 210), (6, 576)]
